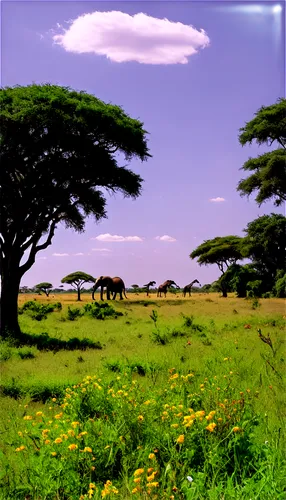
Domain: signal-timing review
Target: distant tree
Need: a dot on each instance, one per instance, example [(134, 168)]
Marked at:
[(44, 287), (58, 149), (269, 172), (77, 280), (135, 288), (222, 251), (264, 244)]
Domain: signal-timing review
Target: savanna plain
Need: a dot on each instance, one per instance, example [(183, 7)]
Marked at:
[(162, 398)]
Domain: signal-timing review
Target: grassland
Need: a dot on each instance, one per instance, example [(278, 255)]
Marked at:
[(214, 340)]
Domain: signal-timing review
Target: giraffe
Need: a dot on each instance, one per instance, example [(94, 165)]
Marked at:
[(151, 283), (164, 287), (188, 288)]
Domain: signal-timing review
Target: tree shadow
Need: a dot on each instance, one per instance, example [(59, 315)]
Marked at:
[(44, 342)]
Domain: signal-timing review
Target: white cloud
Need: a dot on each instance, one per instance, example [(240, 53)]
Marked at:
[(79, 254), (141, 38), (217, 200), (41, 258), (165, 238), (116, 238), (60, 254), (101, 250)]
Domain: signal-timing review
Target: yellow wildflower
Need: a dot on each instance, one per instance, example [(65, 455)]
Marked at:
[(175, 426), (137, 480), (59, 415), (39, 413), (20, 434), (74, 424), (71, 432), (58, 441), (28, 417), (138, 472), (236, 429), (181, 439), (151, 456), (54, 399), (135, 490), (87, 449), (150, 469), (47, 441), (21, 448), (72, 447), (173, 377), (140, 418), (211, 427), (53, 453), (153, 485)]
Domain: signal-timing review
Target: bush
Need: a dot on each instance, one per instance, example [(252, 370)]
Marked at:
[(38, 311), (101, 311), (280, 287), (254, 288), (74, 313)]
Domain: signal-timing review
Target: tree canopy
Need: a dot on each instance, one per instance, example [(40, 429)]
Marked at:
[(222, 250), (269, 173), (44, 287), (264, 244), (77, 280), (59, 148)]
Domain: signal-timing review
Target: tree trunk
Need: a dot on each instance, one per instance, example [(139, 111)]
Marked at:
[(10, 283), (78, 294)]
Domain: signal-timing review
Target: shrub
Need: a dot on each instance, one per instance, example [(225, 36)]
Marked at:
[(74, 313), (101, 311), (280, 287)]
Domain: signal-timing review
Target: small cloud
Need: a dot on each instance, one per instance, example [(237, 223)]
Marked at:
[(122, 38), (101, 250), (116, 238), (217, 200), (41, 258), (60, 254), (165, 238), (79, 254)]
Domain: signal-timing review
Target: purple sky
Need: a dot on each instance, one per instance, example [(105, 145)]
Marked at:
[(192, 111)]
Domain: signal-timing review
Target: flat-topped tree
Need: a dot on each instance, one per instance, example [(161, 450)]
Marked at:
[(77, 280), (44, 287), (57, 150), (267, 171), (222, 251)]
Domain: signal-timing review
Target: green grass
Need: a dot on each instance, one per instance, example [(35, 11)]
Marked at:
[(211, 337)]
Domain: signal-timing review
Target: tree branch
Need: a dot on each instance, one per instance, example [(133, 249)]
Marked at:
[(35, 249)]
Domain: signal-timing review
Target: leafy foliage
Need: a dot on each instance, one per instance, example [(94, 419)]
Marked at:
[(269, 177), (222, 250), (264, 244), (101, 311)]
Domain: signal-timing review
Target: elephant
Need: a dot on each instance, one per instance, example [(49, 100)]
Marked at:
[(112, 285)]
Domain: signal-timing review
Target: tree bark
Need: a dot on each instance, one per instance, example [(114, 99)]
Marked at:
[(78, 294), (10, 283)]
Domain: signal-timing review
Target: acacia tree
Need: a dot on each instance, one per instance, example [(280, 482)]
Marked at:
[(269, 173), (222, 250), (58, 149), (77, 280), (44, 287)]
